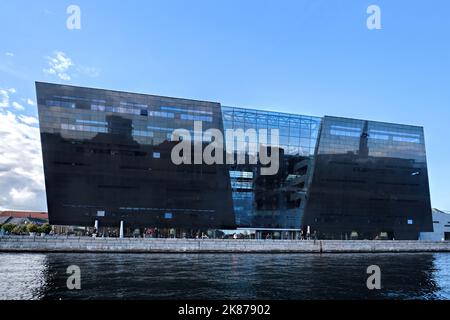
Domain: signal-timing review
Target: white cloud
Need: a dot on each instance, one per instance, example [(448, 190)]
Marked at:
[(63, 67), (28, 120), (5, 97), (59, 65), (6, 100), (9, 54), (21, 172), (17, 106), (22, 196), (28, 101)]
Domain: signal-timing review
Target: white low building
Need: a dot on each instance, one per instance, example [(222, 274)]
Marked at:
[(441, 227)]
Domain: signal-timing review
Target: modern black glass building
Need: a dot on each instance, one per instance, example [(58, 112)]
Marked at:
[(107, 157)]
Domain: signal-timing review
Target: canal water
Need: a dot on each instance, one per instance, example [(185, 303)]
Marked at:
[(224, 276)]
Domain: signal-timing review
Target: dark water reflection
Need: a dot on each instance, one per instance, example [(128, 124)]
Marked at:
[(224, 276)]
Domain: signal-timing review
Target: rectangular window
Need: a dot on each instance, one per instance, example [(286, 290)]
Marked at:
[(185, 110), (61, 104), (241, 174), (102, 123), (97, 107), (85, 128), (378, 136), (160, 128), (142, 133), (345, 133), (156, 155), (161, 114), (410, 221), (407, 139), (168, 215), (241, 185), (196, 118)]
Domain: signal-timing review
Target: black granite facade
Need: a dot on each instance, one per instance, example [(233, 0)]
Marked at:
[(370, 179), (107, 158)]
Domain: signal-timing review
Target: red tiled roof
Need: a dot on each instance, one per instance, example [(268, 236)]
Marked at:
[(24, 214)]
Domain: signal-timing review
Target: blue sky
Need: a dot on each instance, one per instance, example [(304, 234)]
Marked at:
[(309, 57)]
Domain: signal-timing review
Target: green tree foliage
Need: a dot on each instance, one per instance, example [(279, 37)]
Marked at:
[(8, 227), (45, 228), (31, 227), (19, 229)]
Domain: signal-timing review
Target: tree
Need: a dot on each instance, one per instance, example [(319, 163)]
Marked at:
[(31, 227), (45, 228), (19, 229), (8, 227)]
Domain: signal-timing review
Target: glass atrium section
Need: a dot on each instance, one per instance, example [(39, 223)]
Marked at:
[(273, 201)]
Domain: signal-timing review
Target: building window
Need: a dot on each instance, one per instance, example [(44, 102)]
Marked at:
[(168, 215), (161, 114), (61, 104), (156, 155), (85, 128), (410, 221), (196, 118), (142, 133)]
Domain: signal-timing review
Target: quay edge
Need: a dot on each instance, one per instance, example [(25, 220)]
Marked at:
[(139, 245)]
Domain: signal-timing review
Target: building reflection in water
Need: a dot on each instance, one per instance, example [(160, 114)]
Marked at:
[(224, 276)]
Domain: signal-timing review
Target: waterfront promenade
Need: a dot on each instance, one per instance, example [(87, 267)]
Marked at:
[(140, 245)]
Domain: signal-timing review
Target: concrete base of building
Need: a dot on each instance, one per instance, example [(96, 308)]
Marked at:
[(140, 245)]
